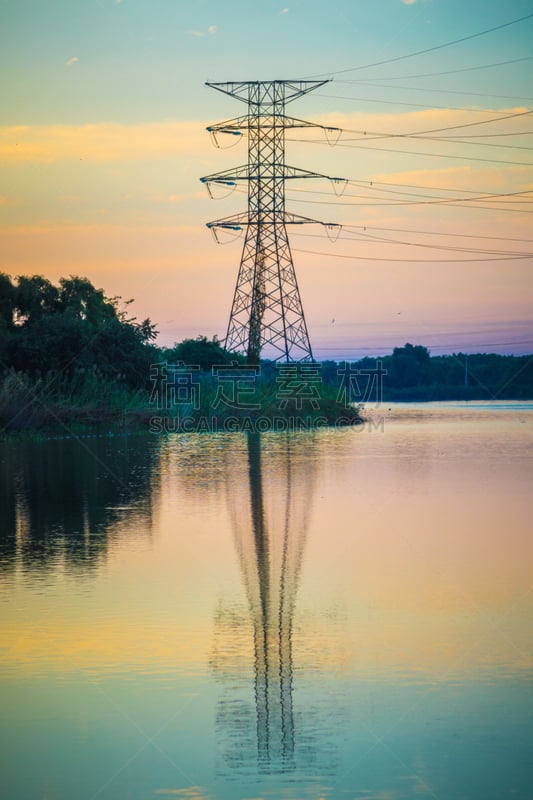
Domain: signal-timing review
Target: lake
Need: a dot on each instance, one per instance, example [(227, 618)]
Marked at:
[(340, 613)]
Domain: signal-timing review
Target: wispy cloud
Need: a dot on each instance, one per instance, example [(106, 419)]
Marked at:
[(191, 793), (8, 201), (284, 11), (120, 142), (212, 29), (102, 142), (73, 60), (409, 2)]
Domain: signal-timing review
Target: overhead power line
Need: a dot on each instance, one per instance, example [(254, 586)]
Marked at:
[(448, 127), (427, 49), (446, 72), (420, 153), (428, 197), (429, 188), (378, 84), (488, 135), (372, 239), (383, 347), (412, 230), (412, 203), (439, 233), (410, 260), (444, 139), (403, 103), (478, 194)]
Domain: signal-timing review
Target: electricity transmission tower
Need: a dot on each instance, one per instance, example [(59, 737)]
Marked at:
[(267, 309)]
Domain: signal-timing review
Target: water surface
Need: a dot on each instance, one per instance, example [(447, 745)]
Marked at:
[(331, 614)]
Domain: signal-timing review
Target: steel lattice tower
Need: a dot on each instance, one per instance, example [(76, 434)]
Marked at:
[(267, 309)]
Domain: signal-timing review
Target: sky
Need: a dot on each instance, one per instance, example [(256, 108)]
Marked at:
[(103, 110)]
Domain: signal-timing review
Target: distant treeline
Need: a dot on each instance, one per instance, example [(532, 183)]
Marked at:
[(411, 373), (69, 352)]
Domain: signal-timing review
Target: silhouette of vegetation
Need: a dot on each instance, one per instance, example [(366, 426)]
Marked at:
[(413, 374), (68, 351), (70, 354), (204, 352), (71, 328)]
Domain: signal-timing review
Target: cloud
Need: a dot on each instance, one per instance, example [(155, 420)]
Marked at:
[(212, 29), (191, 793), (70, 199), (174, 198), (408, 2), (424, 119), (73, 60), (284, 11), (103, 142), (8, 201)]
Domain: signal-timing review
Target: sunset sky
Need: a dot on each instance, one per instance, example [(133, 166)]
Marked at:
[(103, 111)]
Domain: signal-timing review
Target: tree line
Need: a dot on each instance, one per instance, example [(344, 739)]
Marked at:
[(72, 331), (412, 374)]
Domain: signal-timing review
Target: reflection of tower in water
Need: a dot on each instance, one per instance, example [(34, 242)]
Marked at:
[(271, 589), (269, 493)]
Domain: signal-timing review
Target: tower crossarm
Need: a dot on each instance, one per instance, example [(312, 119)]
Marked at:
[(234, 223), (297, 172), (239, 221), (296, 219), (229, 176), (249, 92), (245, 123), (248, 172)]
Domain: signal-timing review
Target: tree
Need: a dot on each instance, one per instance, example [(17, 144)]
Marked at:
[(79, 299), (204, 352), (72, 328), (409, 366), (35, 296), (7, 302)]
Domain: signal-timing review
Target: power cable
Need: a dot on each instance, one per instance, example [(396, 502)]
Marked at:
[(381, 239), (446, 72), (412, 203), (426, 50), (445, 139), (426, 199), (440, 233), (476, 195), (400, 103), (410, 260), (379, 85), (420, 153)]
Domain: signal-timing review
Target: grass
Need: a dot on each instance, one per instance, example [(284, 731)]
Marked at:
[(53, 400), (86, 400)]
